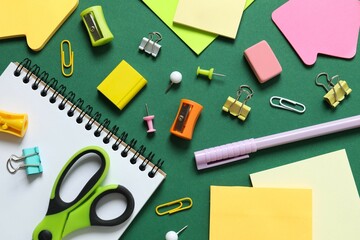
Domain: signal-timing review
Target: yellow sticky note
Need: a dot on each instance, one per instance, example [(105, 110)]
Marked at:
[(22, 18), (260, 213), (122, 84), (196, 39), (218, 17), (336, 205)]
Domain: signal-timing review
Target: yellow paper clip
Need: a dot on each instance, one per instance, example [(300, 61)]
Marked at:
[(237, 108), (65, 65), (335, 93), (180, 206)]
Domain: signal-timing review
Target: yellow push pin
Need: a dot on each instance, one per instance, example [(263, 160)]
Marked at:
[(208, 73)]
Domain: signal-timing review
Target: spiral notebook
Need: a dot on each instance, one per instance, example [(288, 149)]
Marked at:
[(60, 124)]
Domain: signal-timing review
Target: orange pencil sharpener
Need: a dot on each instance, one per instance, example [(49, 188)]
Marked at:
[(186, 117)]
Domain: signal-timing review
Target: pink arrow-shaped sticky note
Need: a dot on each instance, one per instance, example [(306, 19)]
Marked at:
[(313, 27)]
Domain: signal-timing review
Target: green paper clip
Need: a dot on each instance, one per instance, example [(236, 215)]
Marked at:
[(96, 25)]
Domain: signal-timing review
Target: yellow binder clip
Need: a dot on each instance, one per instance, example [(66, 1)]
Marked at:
[(179, 206), (335, 93), (237, 108), (64, 64)]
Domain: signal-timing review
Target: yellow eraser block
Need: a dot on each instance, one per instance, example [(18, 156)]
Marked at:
[(122, 84)]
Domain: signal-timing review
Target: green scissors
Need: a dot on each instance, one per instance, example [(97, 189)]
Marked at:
[(63, 218)]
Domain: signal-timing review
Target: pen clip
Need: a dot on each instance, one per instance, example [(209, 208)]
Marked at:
[(201, 163)]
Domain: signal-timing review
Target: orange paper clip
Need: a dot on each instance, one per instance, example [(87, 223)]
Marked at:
[(186, 117), (180, 206)]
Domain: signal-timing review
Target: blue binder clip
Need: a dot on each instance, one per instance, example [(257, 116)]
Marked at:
[(31, 159)]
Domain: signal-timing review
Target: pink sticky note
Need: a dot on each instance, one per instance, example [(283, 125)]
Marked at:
[(313, 27)]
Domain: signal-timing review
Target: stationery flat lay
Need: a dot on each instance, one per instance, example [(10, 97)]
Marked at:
[(154, 119)]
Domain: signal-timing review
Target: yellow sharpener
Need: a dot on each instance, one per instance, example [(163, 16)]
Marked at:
[(13, 123)]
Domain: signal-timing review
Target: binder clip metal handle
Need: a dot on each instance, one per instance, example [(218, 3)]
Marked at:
[(98, 30), (179, 206), (13, 169)]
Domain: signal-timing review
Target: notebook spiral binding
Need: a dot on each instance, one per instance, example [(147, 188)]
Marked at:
[(78, 104)]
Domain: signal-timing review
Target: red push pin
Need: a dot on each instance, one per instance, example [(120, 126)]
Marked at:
[(148, 120)]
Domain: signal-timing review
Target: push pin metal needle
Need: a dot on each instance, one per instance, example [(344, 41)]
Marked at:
[(149, 121), (208, 73), (172, 235), (175, 77)]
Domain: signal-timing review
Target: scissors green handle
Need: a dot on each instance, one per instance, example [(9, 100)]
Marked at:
[(63, 218)]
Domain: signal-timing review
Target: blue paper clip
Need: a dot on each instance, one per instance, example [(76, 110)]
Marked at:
[(32, 162)]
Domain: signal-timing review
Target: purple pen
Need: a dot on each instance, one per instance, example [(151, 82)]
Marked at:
[(231, 152)]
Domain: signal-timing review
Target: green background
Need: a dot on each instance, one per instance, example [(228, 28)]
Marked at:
[(130, 21)]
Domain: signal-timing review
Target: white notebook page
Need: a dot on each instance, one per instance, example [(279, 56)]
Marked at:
[(24, 199)]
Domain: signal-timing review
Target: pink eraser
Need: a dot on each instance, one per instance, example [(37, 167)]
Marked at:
[(263, 61)]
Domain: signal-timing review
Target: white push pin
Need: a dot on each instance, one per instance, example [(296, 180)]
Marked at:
[(172, 235), (175, 77)]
